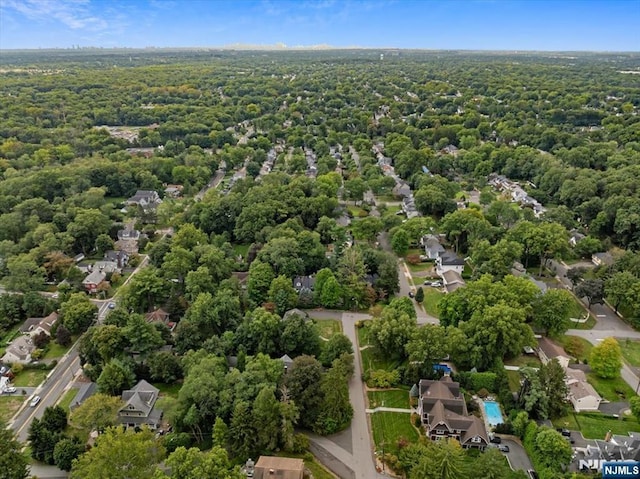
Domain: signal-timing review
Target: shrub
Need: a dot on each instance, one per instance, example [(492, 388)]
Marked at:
[(504, 428), (413, 259), (383, 379), (300, 444), (483, 393)]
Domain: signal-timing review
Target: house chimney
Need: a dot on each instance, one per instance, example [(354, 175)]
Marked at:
[(607, 436)]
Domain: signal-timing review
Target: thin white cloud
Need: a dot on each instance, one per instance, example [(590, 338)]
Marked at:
[(74, 14)]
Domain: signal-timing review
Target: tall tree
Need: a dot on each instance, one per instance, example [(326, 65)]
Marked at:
[(120, 454), (606, 359), (551, 311), (98, 412), (13, 463), (282, 294)]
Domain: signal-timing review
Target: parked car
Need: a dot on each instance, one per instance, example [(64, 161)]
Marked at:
[(10, 390), (34, 401), (503, 448), (496, 439), (564, 432), (411, 294), (112, 305), (532, 474)]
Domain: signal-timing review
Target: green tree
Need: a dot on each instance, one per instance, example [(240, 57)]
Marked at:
[(303, 383), (164, 366), (445, 461), (104, 243), (331, 293), (266, 412), (120, 454), (552, 450), (617, 287), (337, 345), (66, 451), (13, 463), (391, 331), (335, 411), (96, 413), (220, 435), (259, 281), (78, 312), (283, 294), (196, 464), (143, 337), (592, 289), (115, 377), (23, 274), (551, 311), (419, 295), (427, 343), (243, 432), (491, 465), (634, 402), (606, 359), (145, 290), (400, 242)]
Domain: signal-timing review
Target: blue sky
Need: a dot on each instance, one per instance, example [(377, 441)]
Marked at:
[(602, 25)]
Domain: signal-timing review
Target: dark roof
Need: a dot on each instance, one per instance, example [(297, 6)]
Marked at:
[(304, 282), (551, 349), (451, 259), (86, 391)]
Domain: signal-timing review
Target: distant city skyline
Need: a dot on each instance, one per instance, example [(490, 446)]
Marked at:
[(578, 25)]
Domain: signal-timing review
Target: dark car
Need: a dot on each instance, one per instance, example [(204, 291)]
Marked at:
[(411, 294), (532, 474), (496, 440)]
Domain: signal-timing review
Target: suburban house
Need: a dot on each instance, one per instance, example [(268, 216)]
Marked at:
[(449, 261), (120, 258), (602, 259), (443, 412), (613, 447), (287, 361), (452, 280), (84, 392), (139, 408), (159, 315), (270, 467), (409, 207), (93, 279), (35, 326), (575, 237), (19, 351), (173, 191), (432, 246), (128, 239), (304, 284), (450, 150), (145, 199), (582, 395), (548, 350), (106, 266), (401, 189)]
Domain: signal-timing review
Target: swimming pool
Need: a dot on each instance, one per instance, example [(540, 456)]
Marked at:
[(492, 410)]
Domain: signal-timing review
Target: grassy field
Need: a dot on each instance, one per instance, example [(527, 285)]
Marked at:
[(170, 390), (55, 351), (631, 351), (420, 267), (241, 249), (514, 380), (611, 389), (9, 405), (372, 359), (595, 426), (388, 427), (65, 401), (392, 398), (328, 327), (30, 378), (529, 360), (432, 297), (363, 336), (578, 311)]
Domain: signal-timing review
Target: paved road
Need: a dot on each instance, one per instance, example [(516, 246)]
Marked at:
[(49, 391), (517, 456), (213, 183)]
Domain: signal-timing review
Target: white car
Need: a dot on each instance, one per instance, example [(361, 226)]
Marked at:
[(10, 390), (34, 401)]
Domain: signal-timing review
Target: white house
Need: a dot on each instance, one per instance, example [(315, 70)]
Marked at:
[(548, 350), (19, 351), (449, 261), (582, 395), (432, 246)]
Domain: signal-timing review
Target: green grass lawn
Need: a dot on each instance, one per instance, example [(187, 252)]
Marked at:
[(363, 336), (169, 390), (65, 401), (595, 426), (514, 380), (55, 351), (392, 398), (432, 297), (317, 469), (372, 359), (388, 427), (630, 351), (356, 211), (528, 360), (328, 327), (611, 389), (420, 267), (241, 249), (578, 311), (29, 378), (9, 405)]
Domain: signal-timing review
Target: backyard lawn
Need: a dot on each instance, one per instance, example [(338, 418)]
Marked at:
[(525, 360), (631, 351), (372, 359), (398, 398), (170, 390), (611, 389), (65, 401), (388, 427), (357, 212), (576, 347), (363, 336), (9, 405), (578, 311), (29, 378), (241, 249), (595, 426), (514, 381), (328, 327)]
